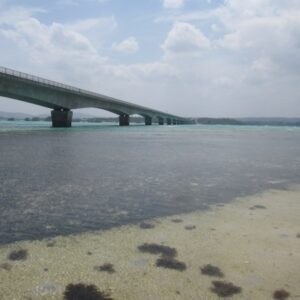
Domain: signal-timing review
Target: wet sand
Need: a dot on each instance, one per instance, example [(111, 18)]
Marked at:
[(253, 240)]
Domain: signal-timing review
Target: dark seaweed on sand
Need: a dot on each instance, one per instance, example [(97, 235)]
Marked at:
[(176, 220), (82, 291), (145, 225), (106, 268), (258, 206), (21, 254), (51, 244), (190, 227), (225, 289), (281, 294), (211, 270), (158, 249), (171, 263)]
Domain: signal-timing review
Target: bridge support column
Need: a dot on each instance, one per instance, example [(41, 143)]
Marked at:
[(160, 121), (124, 120), (61, 118), (169, 121), (174, 122), (148, 121)]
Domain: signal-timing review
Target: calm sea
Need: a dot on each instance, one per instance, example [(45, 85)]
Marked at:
[(89, 177)]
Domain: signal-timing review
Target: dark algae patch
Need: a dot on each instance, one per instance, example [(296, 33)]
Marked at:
[(145, 225), (225, 289), (190, 227), (158, 249), (21, 254), (281, 294), (298, 235), (51, 244), (171, 263), (258, 206), (211, 270), (167, 259), (109, 268), (82, 291), (176, 220)]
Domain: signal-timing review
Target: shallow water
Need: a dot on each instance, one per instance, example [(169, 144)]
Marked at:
[(90, 177)]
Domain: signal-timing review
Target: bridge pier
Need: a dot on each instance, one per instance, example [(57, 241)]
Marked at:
[(61, 118), (174, 122), (124, 120), (160, 121), (148, 121), (169, 121)]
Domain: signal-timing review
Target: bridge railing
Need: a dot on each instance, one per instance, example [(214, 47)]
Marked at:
[(37, 79)]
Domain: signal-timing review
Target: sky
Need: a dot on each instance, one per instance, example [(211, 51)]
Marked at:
[(194, 58)]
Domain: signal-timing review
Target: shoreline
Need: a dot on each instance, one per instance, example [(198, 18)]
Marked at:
[(253, 240)]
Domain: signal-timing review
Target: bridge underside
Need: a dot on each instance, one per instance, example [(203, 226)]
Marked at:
[(63, 118), (63, 99)]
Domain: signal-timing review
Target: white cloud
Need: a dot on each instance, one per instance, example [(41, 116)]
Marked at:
[(173, 3), (41, 38), (15, 14), (92, 24), (184, 38), (128, 46), (77, 2), (68, 2)]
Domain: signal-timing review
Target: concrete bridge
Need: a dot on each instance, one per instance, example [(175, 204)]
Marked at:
[(63, 98)]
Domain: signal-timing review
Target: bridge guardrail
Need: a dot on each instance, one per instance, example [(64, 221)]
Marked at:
[(37, 79)]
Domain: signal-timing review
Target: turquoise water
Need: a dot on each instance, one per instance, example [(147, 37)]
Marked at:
[(97, 176), (44, 125)]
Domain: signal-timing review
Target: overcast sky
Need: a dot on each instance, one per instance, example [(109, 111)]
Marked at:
[(231, 58)]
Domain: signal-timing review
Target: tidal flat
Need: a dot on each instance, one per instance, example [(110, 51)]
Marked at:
[(257, 250)]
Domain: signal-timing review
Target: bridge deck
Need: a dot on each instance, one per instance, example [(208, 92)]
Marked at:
[(62, 97)]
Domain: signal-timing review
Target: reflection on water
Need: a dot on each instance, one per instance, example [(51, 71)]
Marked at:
[(87, 178)]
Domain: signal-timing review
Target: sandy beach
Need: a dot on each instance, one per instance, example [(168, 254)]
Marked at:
[(254, 241)]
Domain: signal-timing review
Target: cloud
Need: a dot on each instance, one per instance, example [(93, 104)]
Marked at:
[(128, 46), (184, 38), (173, 3), (14, 14), (77, 2), (68, 2), (52, 50), (91, 24), (263, 30), (40, 38)]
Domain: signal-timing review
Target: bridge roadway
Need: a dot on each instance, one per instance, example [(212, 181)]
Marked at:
[(63, 98)]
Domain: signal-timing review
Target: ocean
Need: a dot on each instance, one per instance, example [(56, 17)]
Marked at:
[(95, 176)]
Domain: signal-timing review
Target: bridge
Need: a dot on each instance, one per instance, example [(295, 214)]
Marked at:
[(62, 98)]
